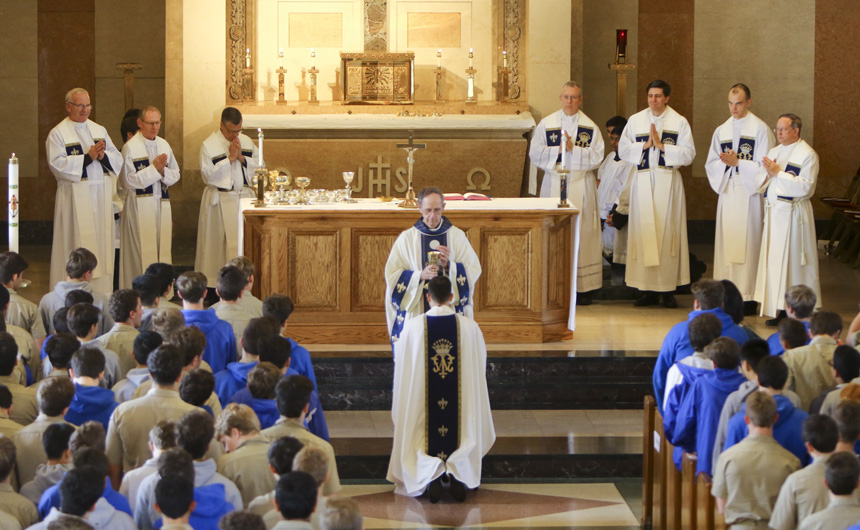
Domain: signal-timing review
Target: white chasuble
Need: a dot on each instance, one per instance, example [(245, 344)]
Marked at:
[(411, 468), (83, 210), (739, 210), (226, 184), (657, 252), (789, 251), (581, 161), (614, 177)]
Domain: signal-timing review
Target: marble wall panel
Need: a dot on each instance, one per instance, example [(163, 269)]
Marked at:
[(18, 39), (548, 53), (433, 30), (320, 30), (375, 25)]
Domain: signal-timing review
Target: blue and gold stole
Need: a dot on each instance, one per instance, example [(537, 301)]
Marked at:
[(431, 240), (668, 138), (442, 385), (139, 165)]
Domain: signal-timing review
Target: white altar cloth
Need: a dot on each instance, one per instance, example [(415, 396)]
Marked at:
[(522, 123)]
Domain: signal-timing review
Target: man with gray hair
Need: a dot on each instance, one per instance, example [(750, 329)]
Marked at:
[(146, 229), (583, 154), (85, 163), (409, 267), (789, 249)]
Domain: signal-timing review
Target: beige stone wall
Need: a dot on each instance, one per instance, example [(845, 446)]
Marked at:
[(549, 53)]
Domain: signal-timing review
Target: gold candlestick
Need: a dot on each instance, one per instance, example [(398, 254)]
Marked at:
[(504, 82), (312, 75), (470, 85), (281, 71), (438, 72), (248, 84)]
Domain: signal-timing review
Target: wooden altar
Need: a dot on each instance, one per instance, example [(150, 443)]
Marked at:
[(329, 259)]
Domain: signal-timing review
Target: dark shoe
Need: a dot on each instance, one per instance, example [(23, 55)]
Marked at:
[(669, 301), (750, 309), (647, 299), (434, 490), (458, 490), (774, 322), (583, 299)]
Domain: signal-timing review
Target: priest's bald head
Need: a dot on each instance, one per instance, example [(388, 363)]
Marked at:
[(78, 104), (439, 291)]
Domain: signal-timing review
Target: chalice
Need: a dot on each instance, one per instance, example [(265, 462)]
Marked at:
[(347, 177), (433, 258), (303, 182)]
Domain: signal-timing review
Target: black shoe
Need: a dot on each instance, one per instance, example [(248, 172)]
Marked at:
[(774, 322), (750, 309), (669, 301), (583, 299), (647, 299), (434, 490), (458, 490)]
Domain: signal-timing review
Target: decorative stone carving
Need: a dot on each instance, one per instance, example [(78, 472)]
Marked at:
[(512, 34), (236, 62), (375, 25)]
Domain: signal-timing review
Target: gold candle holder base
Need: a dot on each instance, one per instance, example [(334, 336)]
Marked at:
[(504, 85), (248, 85), (281, 99), (410, 201), (562, 173), (312, 74), (261, 180)]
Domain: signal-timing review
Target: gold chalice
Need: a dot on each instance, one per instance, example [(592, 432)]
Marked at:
[(303, 182)]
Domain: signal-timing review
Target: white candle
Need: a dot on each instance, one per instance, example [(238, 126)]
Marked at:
[(563, 147), (14, 203), (470, 87), (281, 57), (439, 57), (505, 58), (313, 58), (260, 138), (470, 57), (247, 57)]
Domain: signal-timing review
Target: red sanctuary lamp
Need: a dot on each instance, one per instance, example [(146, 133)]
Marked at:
[(620, 46), (621, 67)]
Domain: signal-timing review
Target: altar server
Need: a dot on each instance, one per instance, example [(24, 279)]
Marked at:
[(440, 406), (408, 268), (228, 159), (734, 160), (789, 251), (85, 162), (659, 141), (613, 178), (146, 227), (583, 154)]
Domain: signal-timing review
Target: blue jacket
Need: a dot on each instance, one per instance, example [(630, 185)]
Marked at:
[(695, 426), (232, 380), (786, 431), (51, 499), (220, 341), (776, 346), (316, 425), (267, 411), (91, 403), (211, 507), (676, 346), (300, 361)]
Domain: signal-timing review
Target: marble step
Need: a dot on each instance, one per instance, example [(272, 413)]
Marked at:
[(580, 382)]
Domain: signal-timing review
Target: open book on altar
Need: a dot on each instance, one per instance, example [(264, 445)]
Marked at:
[(467, 197)]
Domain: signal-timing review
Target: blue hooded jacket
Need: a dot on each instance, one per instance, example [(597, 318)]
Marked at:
[(91, 403), (786, 431), (232, 380), (220, 341), (676, 346), (51, 499), (267, 411), (300, 361), (211, 507), (776, 346)]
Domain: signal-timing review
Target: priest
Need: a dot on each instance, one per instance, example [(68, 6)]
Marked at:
[(440, 406), (734, 161), (146, 227), (85, 163), (789, 250), (409, 268), (228, 160), (658, 140), (583, 153)]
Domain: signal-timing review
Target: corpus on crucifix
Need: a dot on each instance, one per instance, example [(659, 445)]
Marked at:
[(410, 201)]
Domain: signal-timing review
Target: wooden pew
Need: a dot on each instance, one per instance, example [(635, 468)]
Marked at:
[(706, 505), (657, 451), (689, 499), (649, 456), (673, 481)]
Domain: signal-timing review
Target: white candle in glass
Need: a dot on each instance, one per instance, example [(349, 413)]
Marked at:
[(313, 58), (439, 57), (505, 58), (471, 54), (260, 138), (247, 57), (281, 57), (14, 203), (563, 146)]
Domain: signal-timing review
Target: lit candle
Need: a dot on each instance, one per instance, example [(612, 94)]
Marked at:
[(471, 54), (505, 58), (621, 42), (563, 146), (439, 57), (247, 57), (281, 57), (13, 203), (260, 138), (313, 58)]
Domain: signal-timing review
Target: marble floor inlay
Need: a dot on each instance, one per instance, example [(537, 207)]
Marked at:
[(498, 506)]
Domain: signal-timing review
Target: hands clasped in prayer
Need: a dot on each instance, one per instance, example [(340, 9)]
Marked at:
[(97, 151), (235, 152), (729, 158), (654, 140)]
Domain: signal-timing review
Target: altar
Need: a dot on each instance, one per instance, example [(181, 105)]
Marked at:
[(330, 258)]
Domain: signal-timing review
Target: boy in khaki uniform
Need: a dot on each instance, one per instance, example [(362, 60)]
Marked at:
[(24, 408), (14, 504), (55, 396), (841, 476), (126, 312), (230, 287), (246, 462), (749, 475), (809, 370)]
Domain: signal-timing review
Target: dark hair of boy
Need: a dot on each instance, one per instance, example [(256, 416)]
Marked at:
[(846, 362), (772, 372), (231, 282), (165, 365), (144, 344), (80, 262), (276, 350), (191, 286), (59, 321), (165, 274), (194, 432), (8, 354), (90, 435), (77, 296), (81, 318), (847, 418), (88, 361), (262, 380), (825, 323), (821, 432), (725, 353), (793, 333), (55, 394), (80, 489), (8, 457), (703, 330), (11, 263), (292, 394), (5, 397), (279, 307), (282, 452), (241, 520), (176, 461), (55, 439), (174, 495), (439, 289), (842, 473), (296, 495), (753, 351), (191, 342), (122, 303), (258, 330), (148, 287), (196, 387), (60, 347)]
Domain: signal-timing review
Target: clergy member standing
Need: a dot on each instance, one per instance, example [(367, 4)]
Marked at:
[(85, 162), (146, 228), (440, 406), (228, 159), (614, 177), (734, 160), (789, 250), (658, 141), (583, 154), (409, 268)]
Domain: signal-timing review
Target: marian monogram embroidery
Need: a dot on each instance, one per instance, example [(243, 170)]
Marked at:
[(443, 361), (584, 139)]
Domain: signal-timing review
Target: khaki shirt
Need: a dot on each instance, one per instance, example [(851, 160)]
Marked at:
[(128, 430), (238, 319), (802, 494), (120, 340), (27, 352), (8, 428), (252, 304), (749, 476), (25, 314), (290, 427), (840, 514), (248, 468), (263, 504), (28, 443), (18, 506), (213, 402), (809, 370), (831, 401), (24, 405)]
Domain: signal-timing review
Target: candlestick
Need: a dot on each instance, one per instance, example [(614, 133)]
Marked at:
[(312, 76), (13, 203), (504, 58), (439, 58), (260, 138), (620, 45), (470, 83), (281, 71), (471, 54), (247, 57), (563, 146), (281, 57)]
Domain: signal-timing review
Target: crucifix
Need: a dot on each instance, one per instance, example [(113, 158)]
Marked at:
[(128, 75), (409, 201)]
